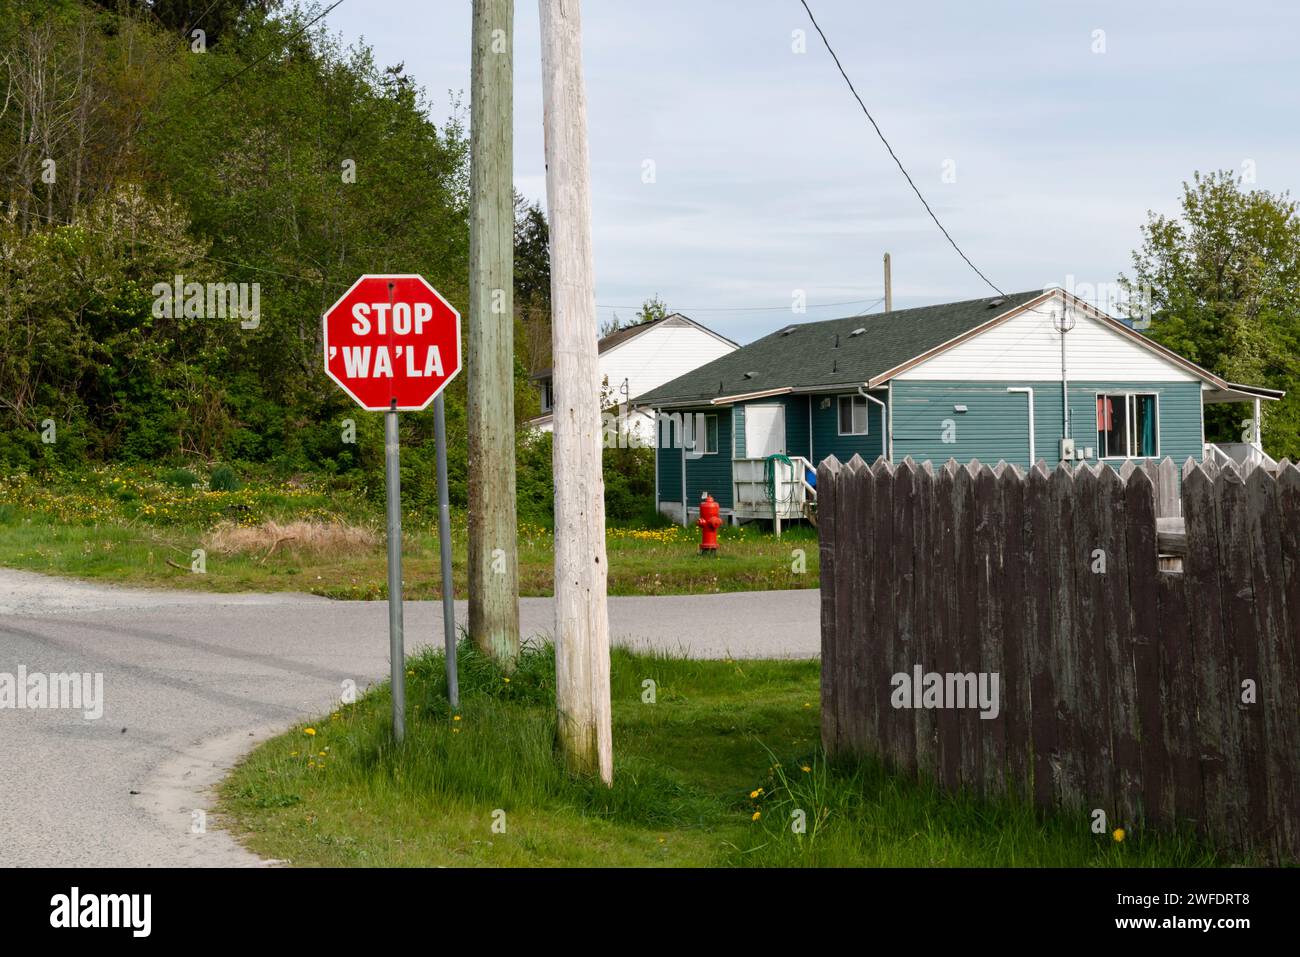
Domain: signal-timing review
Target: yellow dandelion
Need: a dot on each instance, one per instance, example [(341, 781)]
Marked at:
[(1118, 834), (506, 680), (309, 731), (311, 764), (757, 815), (456, 718), (805, 769)]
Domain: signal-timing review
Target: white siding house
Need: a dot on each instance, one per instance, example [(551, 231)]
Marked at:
[(643, 357)]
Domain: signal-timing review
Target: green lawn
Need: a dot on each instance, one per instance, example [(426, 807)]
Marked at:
[(126, 525), (710, 774)]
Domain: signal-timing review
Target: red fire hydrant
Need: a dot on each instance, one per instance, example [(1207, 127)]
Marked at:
[(710, 521)]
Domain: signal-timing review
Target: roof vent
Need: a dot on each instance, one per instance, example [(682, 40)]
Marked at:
[(857, 332), (996, 302), (749, 375), (787, 330)]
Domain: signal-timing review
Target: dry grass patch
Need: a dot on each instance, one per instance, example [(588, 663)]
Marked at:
[(313, 539)]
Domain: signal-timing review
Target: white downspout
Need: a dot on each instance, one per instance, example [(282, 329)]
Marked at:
[(1030, 393), (889, 425), (884, 425)]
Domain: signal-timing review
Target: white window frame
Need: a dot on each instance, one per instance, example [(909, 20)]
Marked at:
[(1129, 414), (717, 435), (839, 417)]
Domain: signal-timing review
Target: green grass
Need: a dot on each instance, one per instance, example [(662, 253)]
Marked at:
[(688, 769), (126, 525)]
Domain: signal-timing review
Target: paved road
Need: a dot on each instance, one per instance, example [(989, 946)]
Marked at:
[(192, 681)]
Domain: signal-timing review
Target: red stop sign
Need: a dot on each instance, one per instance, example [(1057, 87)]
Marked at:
[(392, 338)]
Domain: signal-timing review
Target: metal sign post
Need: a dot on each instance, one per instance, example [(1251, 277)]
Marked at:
[(444, 549), (396, 650)]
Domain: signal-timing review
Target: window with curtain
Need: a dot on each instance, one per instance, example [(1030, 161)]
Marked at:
[(1127, 426)]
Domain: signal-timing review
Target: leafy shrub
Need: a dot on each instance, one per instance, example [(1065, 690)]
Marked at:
[(182, 478), (224, 479)]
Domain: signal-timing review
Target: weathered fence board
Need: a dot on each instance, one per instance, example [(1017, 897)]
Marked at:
[(945, 647), (923, 603), (883, 577), (1158, 696), (855, 705), (902, 653), (1016, 677), (829, 543), (1039, 636)]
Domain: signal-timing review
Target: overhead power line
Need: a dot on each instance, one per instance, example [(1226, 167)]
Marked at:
[(811, 305), (892, 154), (297, 33)]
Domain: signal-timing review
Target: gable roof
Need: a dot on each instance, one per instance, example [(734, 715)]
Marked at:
[(827, 354), (621, 336), (870, 350)]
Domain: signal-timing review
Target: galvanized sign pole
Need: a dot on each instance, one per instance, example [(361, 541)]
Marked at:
[(396, 651), (444, 549)]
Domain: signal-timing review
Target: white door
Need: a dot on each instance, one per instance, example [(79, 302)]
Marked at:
[(764, 430)]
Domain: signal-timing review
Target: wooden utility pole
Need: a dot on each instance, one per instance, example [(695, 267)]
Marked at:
[(493, 556), (581, 615), (889, 287)]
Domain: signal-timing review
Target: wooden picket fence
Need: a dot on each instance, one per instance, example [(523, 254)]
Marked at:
[(1120, 688)]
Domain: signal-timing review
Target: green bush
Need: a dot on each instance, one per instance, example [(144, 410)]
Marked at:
[(629, 482), (224, 479), (183, 478)]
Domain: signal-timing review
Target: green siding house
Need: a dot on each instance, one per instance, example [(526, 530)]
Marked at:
[(1038, 375)]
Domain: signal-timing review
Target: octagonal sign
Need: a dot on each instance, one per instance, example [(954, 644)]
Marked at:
[(392, 342)]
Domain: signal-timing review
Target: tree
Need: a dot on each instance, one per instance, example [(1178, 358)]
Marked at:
[(215, 18), (533, 284), (1223, 281), (652, 310)]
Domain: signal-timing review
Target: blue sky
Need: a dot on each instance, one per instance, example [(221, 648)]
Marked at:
[(768, 178)]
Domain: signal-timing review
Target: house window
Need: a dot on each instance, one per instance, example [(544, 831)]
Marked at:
[(710, 435), (1128, 426), (547, 398), (853, 415)]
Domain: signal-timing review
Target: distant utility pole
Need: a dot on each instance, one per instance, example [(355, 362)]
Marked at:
[(493, 558), (889, 287), (581, 614)]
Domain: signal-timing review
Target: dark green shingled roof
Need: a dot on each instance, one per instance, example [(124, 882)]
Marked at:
[(807, 355)]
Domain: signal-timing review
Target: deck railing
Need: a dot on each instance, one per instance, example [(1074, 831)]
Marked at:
[(779, 491)]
